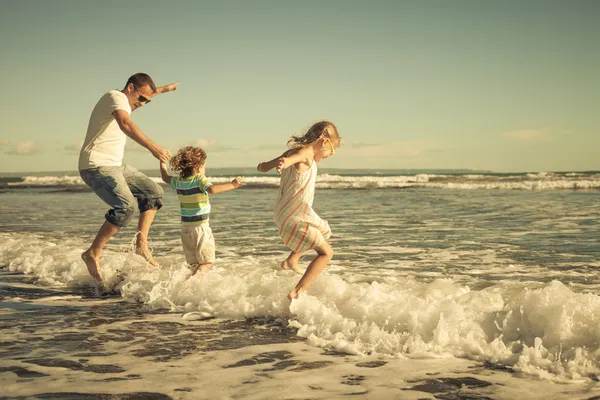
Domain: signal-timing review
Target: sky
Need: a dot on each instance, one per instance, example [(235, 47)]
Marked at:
[(505, 86)]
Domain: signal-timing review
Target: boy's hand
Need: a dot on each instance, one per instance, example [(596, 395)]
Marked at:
[(237, 182)]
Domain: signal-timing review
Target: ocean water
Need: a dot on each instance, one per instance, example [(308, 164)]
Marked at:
[(441, 285)]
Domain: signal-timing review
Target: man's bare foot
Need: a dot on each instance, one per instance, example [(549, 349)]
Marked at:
[(295, 293), (143, 251), (93, 265), (289, 265)]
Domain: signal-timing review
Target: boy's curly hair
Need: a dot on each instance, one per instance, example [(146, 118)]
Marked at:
[(187, 160)]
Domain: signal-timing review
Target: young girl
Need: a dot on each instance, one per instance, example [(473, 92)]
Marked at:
[(192, 189), (299, 225)]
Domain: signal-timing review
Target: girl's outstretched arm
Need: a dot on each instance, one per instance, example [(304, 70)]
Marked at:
[(287, 159), (269, 165)]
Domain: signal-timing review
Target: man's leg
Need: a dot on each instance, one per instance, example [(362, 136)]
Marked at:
[(141, 243), (110, 185), (91, 256), (149, 196)]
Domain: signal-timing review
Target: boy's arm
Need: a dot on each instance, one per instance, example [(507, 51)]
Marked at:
[(164, 174), (225, 187)]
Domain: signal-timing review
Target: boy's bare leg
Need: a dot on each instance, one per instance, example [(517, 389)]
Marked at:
[(324, 255), (91, 256), (291, 263), (141, 245)]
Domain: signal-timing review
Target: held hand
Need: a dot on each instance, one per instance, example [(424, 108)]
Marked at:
[(161, 153), (281, 164), (237, 182)]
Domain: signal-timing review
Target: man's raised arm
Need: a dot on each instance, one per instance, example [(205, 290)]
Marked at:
[(167, 88)]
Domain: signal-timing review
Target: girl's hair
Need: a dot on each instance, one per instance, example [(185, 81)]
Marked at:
[(188, 160), (315, 131)]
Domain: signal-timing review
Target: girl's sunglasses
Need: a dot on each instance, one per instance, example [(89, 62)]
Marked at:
[(332, 148)]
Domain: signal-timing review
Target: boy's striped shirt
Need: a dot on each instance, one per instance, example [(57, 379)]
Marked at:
[(193, 198)]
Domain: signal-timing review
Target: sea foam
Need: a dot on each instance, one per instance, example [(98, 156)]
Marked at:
[(548, 330)]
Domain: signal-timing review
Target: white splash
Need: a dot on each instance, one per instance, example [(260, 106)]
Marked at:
[(548, 331)]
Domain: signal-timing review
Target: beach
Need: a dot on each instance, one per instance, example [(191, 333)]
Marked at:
[(472, 286)]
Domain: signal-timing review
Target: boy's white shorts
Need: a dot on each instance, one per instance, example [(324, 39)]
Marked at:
[(198, 244)]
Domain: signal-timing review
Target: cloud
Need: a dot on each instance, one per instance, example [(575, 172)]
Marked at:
[(357, 145), (74, 147), (211, 145), (346, 144), (409, 148), (271, 147), (527, 134), (25, 148), (3, 142)]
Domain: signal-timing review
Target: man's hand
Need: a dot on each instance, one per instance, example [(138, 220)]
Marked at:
[(161, 153), (237, 182), (168, 88)]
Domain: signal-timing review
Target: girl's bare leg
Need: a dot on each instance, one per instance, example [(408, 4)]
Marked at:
[(324, 255), (291, 263)]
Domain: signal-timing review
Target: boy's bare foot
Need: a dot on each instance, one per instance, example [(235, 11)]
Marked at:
[(93, 265), (205, 267), (143, 251), (288, 265), (195, 268)]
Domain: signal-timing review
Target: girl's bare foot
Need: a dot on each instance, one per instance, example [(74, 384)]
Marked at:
[(92, 263), (290, 265)]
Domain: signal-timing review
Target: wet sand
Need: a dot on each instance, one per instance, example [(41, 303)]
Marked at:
[(62, 343)]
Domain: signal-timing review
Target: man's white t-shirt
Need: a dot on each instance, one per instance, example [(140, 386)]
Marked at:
[(104, 143)]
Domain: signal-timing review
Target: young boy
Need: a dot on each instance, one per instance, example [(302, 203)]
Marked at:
[(192, 189)]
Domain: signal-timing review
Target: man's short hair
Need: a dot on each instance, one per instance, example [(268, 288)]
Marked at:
[(141, 79)]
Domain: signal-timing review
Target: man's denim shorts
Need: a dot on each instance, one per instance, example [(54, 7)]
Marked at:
[(125, 189)]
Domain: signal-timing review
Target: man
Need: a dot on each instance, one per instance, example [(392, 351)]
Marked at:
[(121, 186)]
